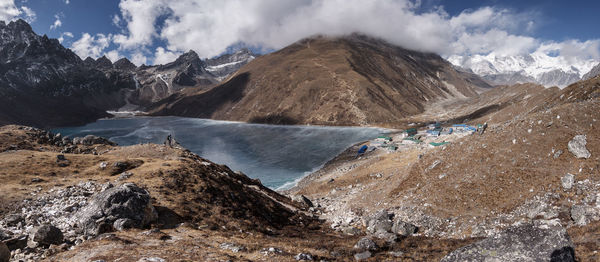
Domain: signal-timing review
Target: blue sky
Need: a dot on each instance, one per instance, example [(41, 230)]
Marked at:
[(156, 31)]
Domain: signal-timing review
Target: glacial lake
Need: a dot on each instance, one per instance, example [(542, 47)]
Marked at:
[(277, 155)]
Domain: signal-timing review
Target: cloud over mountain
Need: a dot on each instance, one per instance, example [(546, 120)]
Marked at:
[(157, 30)]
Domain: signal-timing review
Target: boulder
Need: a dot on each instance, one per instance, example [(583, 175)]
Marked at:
[(528, 242), (577, 147), (117, 208), (4, 252), (403, 228), (366, 243), (379, 222), (47, 235)]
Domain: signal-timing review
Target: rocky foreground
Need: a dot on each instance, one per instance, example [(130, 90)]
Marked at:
[(86, 199), (528, 189)]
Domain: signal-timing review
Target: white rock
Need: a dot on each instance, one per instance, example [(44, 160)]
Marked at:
[(567, 181), (577, 147)]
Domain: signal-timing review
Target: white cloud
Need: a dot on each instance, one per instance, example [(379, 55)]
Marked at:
[(162, 56), (29, 15), (62, 36), (92, 46), (113, 55), (138, 58), (8, 10), (573, 49), (209, 27), (140, 17), (57, 22), (116, 20)]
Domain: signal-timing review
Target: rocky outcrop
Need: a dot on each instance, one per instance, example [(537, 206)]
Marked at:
[(91, 140), (117, 208), (529, 242)]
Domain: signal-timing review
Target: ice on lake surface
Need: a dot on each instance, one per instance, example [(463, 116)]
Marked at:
[(277, 155)]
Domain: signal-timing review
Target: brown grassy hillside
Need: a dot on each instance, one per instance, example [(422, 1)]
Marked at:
[(353, 80)]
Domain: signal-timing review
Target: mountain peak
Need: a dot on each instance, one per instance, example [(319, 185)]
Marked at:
[(20, 24), (104, 62), (124, 64), (188, 56)]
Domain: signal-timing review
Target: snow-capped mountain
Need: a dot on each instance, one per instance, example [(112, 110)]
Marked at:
[(537, 67), (592, 73), (225, 65)]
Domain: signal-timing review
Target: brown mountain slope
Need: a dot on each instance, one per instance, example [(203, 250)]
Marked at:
[(353, 80), (520, 170)]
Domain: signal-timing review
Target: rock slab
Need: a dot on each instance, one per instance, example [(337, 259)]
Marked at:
[(527, 242), (117, 208)]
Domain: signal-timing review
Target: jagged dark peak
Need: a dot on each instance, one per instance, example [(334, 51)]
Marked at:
[(20, 25), (124, 64), (89, 61), (189, 56), (103, 62)]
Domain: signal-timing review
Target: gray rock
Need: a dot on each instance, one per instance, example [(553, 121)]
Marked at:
[(366, 243), (304, 256), (387, 236), (567, 181), (303, 199), (235, 248), (577, 147), (47, 235), (90, 140), (581, 214), (123, 223), (522, 243), (362, 255), (403, 228), (4, 234), (127, 201), (557, 154), (4, 252), (13, 219), (380, 222)]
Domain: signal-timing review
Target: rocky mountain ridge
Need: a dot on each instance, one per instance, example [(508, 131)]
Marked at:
[(43, 83)]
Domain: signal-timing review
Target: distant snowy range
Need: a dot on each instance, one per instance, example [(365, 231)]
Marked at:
[(538, 67)]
